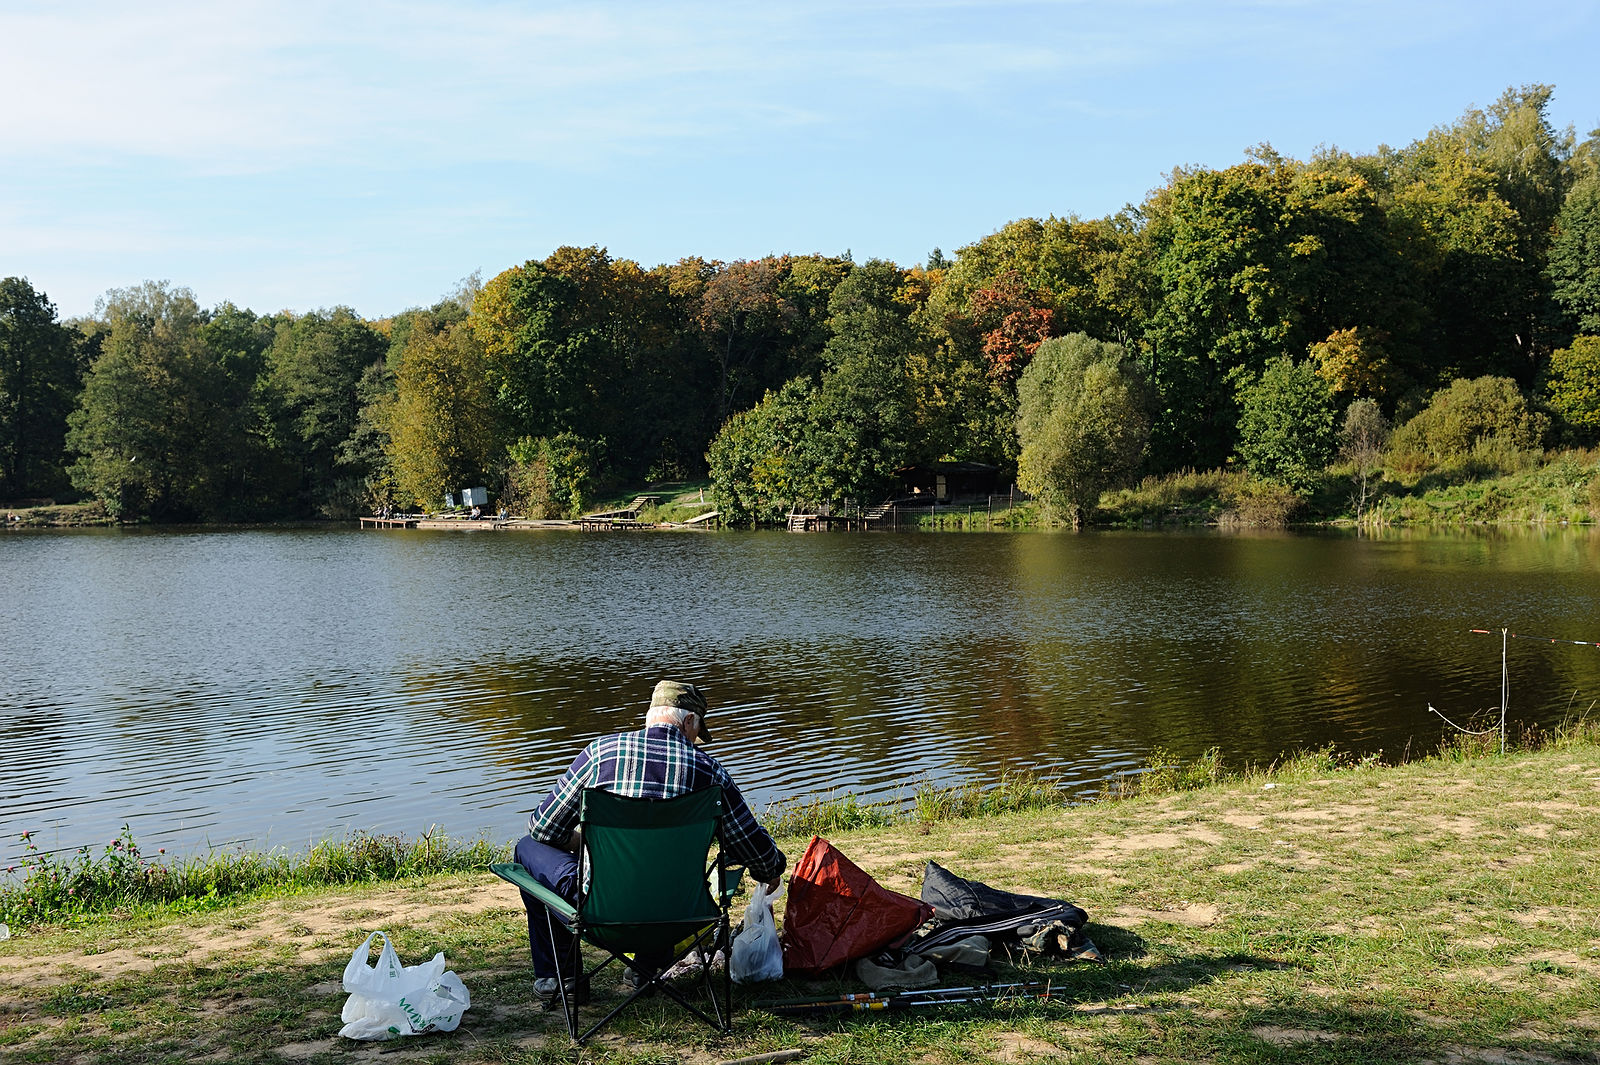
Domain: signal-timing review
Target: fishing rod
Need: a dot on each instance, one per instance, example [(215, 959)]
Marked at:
[(871, 1001), (1540, 639), (1506, 635)]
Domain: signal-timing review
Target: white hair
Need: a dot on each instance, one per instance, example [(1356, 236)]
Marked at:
[(667, 715)]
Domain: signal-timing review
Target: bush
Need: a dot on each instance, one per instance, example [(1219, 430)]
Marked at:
[(1486, 419), (1286, 424), (554, 476), (1261, 503), (1574, 387)]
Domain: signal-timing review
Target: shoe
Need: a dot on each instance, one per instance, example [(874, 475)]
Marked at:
[(633, 981), (549, 993)]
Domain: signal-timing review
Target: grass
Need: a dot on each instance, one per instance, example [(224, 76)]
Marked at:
[(1187, 497), (124, 878), (1563, 487), (822, 815), (58, 515), (676, 501), (1558, 487), (1327, 908)]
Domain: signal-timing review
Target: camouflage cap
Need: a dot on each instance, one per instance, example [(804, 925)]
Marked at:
[(684, 697)]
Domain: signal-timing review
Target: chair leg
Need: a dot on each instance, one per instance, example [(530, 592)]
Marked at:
[(569, 1004), (727, 974)]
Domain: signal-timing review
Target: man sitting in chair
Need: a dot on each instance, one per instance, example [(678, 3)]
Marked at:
[(660, 761)]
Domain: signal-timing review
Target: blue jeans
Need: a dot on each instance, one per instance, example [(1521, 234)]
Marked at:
[(558, 871)]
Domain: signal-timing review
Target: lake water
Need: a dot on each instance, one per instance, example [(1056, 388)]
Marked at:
[(269, 687)]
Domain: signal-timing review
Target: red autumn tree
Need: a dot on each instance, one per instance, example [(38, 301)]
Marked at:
[(1014, 319)]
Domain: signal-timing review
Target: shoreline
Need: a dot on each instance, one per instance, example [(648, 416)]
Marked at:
[(1446, 909)]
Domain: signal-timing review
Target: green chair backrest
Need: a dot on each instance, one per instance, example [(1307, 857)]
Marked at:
[(647, 866)]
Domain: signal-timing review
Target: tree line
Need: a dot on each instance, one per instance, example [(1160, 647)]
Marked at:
[(1252, 315)]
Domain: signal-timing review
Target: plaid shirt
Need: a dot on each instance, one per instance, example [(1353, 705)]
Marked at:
[(657, 762)]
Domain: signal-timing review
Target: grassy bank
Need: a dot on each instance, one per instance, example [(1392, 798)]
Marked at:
[(121, 877), (1557, 488), (66, 515), (1327, 909)]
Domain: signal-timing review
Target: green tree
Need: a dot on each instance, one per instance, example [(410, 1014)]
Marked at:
[(39, 382), (1574, 264), (1081, 422), (1355, 363), (314, 369), (163, 429), (553, 477), (1362, 439), (367, 448), (764, 321), (238, 340), (1265, 257), (1471, 208), (1286, 421), (1573, 388), (863, 424), (584, 344), (444, 430), (757, 460)]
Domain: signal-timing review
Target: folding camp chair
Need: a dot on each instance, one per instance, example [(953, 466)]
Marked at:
[(645, 898)]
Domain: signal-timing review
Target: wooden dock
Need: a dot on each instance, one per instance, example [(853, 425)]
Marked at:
[(402, 522), (605, 523)]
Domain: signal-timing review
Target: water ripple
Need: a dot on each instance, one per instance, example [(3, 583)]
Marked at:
[(271, 687)]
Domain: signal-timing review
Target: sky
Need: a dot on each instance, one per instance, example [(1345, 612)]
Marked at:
[(293, 156)]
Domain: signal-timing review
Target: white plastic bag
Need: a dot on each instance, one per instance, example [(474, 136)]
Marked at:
[(757, 954), (390, 1000)]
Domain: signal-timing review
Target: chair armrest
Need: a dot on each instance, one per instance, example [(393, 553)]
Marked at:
[(514, 873), (733, 875)]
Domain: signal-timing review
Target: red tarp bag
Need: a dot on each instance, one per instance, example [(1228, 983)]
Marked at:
[(837, 913)]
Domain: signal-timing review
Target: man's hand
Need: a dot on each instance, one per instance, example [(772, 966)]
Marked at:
[(774, 884)]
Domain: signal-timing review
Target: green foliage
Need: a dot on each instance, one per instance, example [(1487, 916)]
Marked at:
[(1574, 267), (444, 430), (1355, 363), (39, 382), (1165, 772), (1081, 422), (1015, 791), (1286, 424), (1573, 387), (583, 343), (124, 877), (366, 451), (763, 321), (1564, 489), (1260, 503), (861, 423), (1486, 419), (756, 463), (554, 477), (1184, 497), (165, 428), (1362, 438), (825, 814), (315, 369), (1265, 257)]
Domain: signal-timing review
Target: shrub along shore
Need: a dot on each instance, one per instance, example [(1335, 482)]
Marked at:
[(1557, 488), (1326, 908)]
